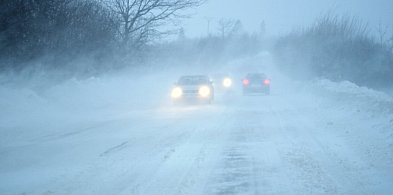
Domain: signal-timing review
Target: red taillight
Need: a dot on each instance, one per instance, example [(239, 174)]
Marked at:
[(246, 82), (266, 82)]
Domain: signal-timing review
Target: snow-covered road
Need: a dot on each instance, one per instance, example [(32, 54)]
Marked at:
[(299, 140)]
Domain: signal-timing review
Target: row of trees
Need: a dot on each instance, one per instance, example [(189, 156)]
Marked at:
[(226, 40), (337, 48), (227, 27), (62, 28), (53, 32)]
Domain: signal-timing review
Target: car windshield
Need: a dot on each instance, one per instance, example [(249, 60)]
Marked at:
[(193, 80)]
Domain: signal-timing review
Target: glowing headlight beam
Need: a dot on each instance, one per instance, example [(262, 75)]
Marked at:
[(227, 82), (204, 91), (177, 92)]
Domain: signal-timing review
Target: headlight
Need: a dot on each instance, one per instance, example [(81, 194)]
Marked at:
[(177, 92), (227, 82), (204, 91)]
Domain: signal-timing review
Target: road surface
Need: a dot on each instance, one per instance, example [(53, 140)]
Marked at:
[(292, 142)]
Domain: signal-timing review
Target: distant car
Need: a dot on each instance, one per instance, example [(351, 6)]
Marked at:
[(256, 83), (193, 88), (223, 83)]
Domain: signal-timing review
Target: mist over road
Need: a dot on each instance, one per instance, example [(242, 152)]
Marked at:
[(298, 140)]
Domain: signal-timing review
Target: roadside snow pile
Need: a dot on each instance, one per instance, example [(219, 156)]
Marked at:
[(365, 118), (8, 96), (353, 95), (351, 88), (27, 112), (119, 91), (18, 102)]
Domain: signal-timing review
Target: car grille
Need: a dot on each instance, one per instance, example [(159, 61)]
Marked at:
[(190, 91)]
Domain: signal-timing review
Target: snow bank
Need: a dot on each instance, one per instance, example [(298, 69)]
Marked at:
[(352, 95), (351, 88), (361, 115), (26, 112)]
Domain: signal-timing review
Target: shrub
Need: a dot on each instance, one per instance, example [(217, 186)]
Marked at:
[(337, 48)]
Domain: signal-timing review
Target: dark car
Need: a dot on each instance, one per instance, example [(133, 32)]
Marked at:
[(255, 83), (193, 88)]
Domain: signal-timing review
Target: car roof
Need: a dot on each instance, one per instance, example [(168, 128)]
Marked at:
[(256, 75)]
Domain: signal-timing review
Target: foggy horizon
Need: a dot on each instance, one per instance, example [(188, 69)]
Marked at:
[(281, 17), (124, 97)]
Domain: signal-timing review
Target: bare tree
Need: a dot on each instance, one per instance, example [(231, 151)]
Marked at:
[(225, 26), (229, 27), (208, 20), (237, 28), (382, 32), (262, 28), (390, 41), (140, 19), (181, 34)]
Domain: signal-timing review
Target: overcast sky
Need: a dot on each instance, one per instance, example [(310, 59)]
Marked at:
[(281, 16)]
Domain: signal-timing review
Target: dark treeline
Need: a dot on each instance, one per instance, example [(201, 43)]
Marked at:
[(87, 35), (211, 50), (53, 31), (337, 48)]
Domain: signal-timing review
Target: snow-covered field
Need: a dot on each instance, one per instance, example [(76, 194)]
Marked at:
[(121, 135)]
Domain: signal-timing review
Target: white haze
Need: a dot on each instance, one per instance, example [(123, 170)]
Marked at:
[(118, 132), (282, 16)]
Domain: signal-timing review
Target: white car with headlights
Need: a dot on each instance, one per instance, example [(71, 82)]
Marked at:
[(193, 88)]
